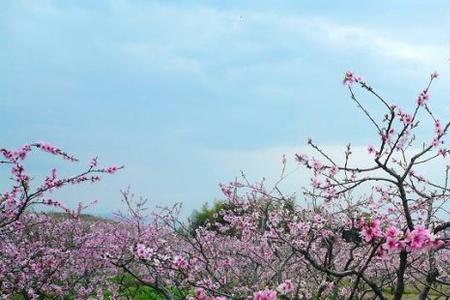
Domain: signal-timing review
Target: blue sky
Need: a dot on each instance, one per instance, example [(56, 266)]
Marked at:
[(186, 94)]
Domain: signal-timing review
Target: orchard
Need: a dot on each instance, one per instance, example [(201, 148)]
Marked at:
[(380, 230)]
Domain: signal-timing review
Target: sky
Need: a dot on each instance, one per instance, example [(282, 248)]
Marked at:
[(186, 94)]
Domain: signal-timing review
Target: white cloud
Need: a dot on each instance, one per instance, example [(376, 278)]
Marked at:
[(381, 42), (165, 34)]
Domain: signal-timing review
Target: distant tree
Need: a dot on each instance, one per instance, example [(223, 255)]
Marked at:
[(206, 214)]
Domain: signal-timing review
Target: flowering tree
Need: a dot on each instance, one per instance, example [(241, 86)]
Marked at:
[(361, 231), (402, 219), (48, 255), (21, 196)]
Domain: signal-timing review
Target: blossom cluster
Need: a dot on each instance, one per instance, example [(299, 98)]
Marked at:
[(418, 239)]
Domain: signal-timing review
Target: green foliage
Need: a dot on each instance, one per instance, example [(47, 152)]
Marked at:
[(133, 289), (206, 215), (210, 216)]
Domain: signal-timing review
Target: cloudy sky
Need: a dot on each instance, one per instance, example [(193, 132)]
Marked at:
[(186, 94)]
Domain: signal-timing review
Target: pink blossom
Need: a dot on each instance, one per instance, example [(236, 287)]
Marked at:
[(392, 232), (436, 142), (371, 230), (315, 182), (331, 193), (112, 169), (418, 237), (200, 294), (286, 287), (438, 127), (265, 295), (180, 262), (93, 162), (350, 78), (406, 119), (423, 98), (317, 165), (391, 244), (333, 171), (386, 137)]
